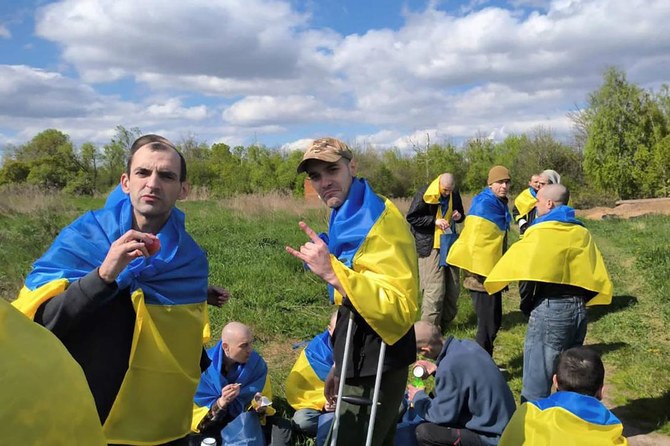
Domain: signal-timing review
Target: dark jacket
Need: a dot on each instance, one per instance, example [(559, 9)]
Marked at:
[(365, 346), (421, 217), (95, 322), (532, 293), (470, 392)]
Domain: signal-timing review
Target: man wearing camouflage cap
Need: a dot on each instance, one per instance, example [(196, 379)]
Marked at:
[(369, 262)]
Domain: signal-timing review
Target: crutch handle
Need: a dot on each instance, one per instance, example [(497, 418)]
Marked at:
[(357, 400)]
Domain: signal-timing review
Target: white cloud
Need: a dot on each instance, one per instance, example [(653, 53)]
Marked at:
[(267, 73), (4, 32)]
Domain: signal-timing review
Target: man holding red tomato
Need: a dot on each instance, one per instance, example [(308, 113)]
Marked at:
[(125, 290)]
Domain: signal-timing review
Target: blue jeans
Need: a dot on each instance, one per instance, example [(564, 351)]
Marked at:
[(555, 325)]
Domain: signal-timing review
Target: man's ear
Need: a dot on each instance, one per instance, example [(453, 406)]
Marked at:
[(555, 380), (124, 182), (185, 190), (425, 350), (352, 167), (599, 393)]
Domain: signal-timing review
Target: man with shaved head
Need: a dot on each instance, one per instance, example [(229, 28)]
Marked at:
[(560, 270), (236, 376), (471, 403), (434, 211)]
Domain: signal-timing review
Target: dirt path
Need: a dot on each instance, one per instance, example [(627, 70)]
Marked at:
[(633, 208)]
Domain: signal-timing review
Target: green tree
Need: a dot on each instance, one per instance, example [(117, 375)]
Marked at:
[(622, 121), (479, 155)]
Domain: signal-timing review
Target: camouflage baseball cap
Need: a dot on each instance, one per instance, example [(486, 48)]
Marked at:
[(328, 149)]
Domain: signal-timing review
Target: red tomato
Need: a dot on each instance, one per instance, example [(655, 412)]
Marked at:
[(154, 247)]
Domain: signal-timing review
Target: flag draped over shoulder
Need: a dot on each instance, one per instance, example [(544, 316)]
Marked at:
[(374, 257), (252, 376), (525, 202), (444, 209), (480, 243), (45, 397), (563, 418), (177, 274), (305, 381), (556, 248), (168, 292)]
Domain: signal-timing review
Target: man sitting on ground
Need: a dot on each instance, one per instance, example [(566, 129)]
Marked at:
[(236, 376), (305, 381), (472, 402), (574, 414)]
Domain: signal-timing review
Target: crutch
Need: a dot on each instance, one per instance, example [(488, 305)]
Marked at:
[(354, 399)]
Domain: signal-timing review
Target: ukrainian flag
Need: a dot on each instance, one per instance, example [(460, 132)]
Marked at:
[(555, 249), (252, 376), (45, 398), (374, 257), (563, 419), (305, 381), (168, 292), (525, 202), (480, 244), (444, 209)]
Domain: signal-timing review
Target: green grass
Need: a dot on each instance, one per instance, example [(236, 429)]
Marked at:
[(284, 304)]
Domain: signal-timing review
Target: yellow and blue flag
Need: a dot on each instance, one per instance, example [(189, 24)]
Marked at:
[(168, 292), (525, 202), (480, 244), (305, 381), (556, 248), (444, 209), (374, 256), (45, 398), (563, 419)]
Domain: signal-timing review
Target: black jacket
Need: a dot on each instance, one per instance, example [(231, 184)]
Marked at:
[(421, 217), (365, 346)]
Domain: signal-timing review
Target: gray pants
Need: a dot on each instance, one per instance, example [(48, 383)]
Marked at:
[(440, 287)]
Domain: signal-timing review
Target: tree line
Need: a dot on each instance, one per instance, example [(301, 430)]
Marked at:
[(621, 149)]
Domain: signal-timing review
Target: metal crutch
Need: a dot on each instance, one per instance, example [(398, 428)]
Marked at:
[(358, 400), (343, 375)]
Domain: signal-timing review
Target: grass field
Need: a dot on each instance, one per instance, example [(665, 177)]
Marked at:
[(245, 239)]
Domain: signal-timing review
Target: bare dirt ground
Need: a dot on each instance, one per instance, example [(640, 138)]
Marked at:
[(628, 209)]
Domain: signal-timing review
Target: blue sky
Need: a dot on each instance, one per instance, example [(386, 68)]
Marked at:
[(374, 73)]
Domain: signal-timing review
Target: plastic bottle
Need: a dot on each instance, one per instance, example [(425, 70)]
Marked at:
[(209, 441)]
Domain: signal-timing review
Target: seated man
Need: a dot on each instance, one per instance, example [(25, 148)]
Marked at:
[(574, 414), (471, 404), (305, 381), (236, 376)]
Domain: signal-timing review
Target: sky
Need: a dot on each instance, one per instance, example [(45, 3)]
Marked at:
[(384, 73)]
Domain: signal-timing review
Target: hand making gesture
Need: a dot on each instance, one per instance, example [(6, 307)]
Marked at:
[(316, 256)]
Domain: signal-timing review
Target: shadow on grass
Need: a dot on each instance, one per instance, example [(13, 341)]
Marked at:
[(644, 415), (619, 303), (607, 347), (512, 319)]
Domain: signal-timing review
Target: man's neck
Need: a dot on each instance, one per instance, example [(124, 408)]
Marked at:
[(142, 224), (227, 365)]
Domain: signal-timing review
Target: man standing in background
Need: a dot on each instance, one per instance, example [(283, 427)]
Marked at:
[(434, 211), (480, 245)]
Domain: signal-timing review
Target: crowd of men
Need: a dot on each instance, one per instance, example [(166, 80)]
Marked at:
[(119, 304)]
